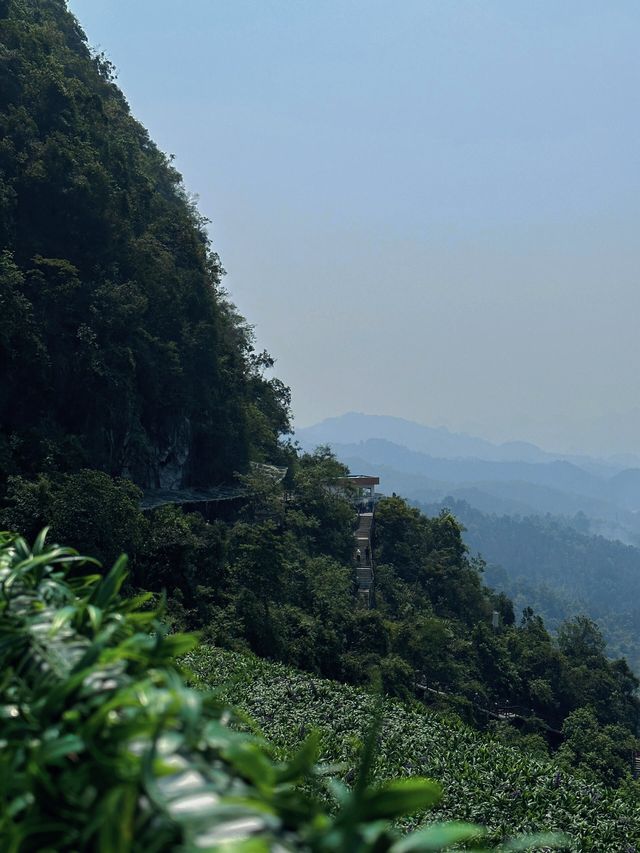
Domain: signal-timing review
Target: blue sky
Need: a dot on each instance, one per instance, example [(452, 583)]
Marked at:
[(427, 209)]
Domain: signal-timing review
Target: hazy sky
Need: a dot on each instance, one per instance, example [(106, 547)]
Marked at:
[(428, 209)]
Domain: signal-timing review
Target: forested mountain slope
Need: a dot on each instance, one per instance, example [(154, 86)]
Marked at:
[(118, 348), (278, 579), (548, 564)]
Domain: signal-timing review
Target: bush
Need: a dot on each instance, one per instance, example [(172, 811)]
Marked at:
[(89, 509), (106, 748)]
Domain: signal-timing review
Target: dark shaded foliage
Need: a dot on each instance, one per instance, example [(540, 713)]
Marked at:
[(124, 362), (278, 580), (106, 748), (118, 347), (561, 571)]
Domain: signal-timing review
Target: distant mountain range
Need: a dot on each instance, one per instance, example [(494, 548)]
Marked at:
[(532, 514), (354, 427), (427, 464)]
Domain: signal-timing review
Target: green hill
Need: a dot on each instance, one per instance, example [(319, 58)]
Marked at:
[(546, 563), (484, 781), (124, 365), (119, 349)]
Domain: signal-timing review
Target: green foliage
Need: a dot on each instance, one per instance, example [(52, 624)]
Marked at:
[(89, 509), (484, 781), (277, 579), (318, 514), (430, 552), (431, 593), (104, 747), (552, 565), (601, 750), (119, 349)]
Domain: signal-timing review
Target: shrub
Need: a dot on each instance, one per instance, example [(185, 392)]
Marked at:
[(104, 747)]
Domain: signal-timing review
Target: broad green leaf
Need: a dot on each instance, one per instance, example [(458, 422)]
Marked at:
[(251, 762), (175, 645), (399, 797), (95, 616), (110, 585), (117, 820), (51, 752), (440, 836), (535, 842), (245, 845), (38, 545), (302, 762), (63, 615), (339, 791)]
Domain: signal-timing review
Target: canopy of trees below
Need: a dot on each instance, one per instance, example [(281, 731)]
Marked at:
[(555, 566), (278, 579)]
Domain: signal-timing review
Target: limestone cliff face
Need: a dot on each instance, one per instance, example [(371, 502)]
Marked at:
[(164, 464), (171, 462)]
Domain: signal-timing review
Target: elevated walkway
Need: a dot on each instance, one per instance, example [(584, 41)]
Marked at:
[(360, 489), (364, 558), (154, 498)]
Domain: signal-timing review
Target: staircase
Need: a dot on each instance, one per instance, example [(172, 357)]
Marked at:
[(364, 558)]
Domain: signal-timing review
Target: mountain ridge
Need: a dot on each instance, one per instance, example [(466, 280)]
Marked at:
[(492, 481), (353, 427)]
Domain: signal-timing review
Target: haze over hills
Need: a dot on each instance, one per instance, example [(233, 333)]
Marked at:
[(558, 570), (354, 427), (531, 514), (428, 464)]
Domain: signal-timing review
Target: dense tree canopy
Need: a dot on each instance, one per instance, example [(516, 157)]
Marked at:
[(551, 564), (277, 578), (119, 349)]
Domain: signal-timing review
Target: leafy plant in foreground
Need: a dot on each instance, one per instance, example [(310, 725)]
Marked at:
[(486, 782), (104, 747)]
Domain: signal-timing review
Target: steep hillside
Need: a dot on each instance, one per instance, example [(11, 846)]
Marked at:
[(277, 578), (560, 571), (484, 781), (124, 365), (105, 748), (118, 348)]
